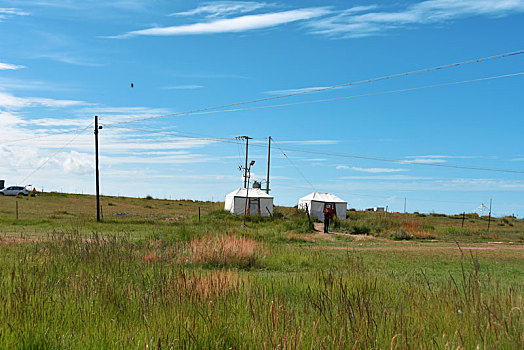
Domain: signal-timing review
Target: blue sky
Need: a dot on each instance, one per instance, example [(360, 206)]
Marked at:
[(62, 62)]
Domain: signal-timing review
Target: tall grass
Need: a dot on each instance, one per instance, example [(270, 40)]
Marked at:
[(109, 292)]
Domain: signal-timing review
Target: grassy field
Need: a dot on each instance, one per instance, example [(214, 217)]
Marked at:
[(153, 274)]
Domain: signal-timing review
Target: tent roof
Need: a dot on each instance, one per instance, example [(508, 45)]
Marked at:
[(322, 197), (252, 193)]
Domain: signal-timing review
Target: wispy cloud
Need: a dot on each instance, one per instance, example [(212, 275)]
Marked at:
[(8, 66), (310, 142), (6, 12), (223, 8), (69, 58), (423, 161), (386, 177), (9, 101), (233, 25), (360, 21), (183, 87), (432, 159), (293, 91), (86, 4), (378, 170)]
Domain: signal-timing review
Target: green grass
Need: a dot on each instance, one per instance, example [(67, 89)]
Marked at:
[(159, 277)]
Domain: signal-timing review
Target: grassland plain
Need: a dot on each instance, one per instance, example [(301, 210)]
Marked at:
[(152, 275)]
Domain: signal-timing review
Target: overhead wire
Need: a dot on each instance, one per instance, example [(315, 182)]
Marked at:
[(312, 90), (293, 164), (54, 154), (344, 155), (289, 104), (360, 95)]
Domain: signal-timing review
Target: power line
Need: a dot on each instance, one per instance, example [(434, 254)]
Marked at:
[(401, 161), (46, 135), (341, 155), (296, 168), (204, 111), (54, 154), (362, 95), (391, 76)]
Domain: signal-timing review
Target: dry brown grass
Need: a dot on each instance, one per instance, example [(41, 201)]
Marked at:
[(414, 230), (217, 283), (222, 250)]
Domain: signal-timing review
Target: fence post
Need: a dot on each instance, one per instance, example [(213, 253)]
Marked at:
[(16, 210), (308, 217), (463, 217), (199, 215)]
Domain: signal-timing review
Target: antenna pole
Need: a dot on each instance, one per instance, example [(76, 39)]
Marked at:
[(97, 172), (247, 138), (268, 162), (489, 217)]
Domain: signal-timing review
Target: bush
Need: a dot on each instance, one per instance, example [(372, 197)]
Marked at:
[(401, 235), (360, 230)]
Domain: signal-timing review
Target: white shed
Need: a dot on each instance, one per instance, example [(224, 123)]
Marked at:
[(316, 202), (259, 202)]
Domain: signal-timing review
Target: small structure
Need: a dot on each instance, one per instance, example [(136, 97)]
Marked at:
[(381, 209), (316, 202), (2, 184), (259, 202)]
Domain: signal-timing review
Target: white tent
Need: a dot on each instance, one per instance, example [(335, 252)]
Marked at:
[(315, 203), (260, 203)]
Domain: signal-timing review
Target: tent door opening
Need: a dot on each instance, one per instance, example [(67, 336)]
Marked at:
[(254, 206), (331, 207)]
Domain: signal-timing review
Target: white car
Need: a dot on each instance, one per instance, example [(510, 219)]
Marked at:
[(14, 191)]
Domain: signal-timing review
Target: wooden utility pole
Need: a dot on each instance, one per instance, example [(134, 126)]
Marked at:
[(268, 160), (405, 205), (96, 172), (489, 217)]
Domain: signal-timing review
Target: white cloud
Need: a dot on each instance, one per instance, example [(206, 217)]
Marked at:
[(6, 12), (293, 91), (422, 161), (183, 87), (8, 66), (232, 25), (223, 8), (68, 58), (386, 177), (378, 170), (75, 163), (342, 167), (350, 24), (13, 102)]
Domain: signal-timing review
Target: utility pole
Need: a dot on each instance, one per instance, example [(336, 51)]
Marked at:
[(268, 159), (247, 138), (489, 217), (97, 172), (405, 205)]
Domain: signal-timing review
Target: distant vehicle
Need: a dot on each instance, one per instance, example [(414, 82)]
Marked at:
[(14, 191)]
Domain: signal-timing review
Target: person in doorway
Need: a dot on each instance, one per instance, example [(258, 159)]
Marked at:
[(328, 215)]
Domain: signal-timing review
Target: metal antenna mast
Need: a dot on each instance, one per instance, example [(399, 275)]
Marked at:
[(247, 138), (97, 172), (268, 160)]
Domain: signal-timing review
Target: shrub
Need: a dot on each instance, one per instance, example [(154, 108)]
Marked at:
[(360, 230), (401, 235)]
